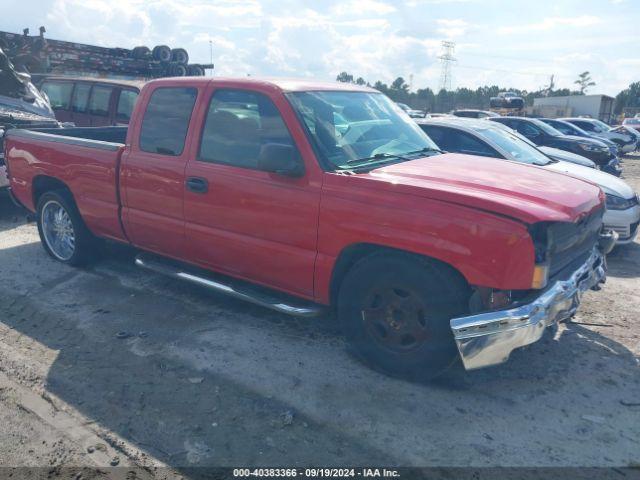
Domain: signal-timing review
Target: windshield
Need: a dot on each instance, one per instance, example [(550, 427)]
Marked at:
[(548, 129), (603, 126), (513, 144), (352, 129)]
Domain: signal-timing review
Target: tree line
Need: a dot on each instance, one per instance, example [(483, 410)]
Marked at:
[(445, 101)]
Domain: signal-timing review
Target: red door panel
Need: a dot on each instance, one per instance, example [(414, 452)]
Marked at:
[(254, 225)]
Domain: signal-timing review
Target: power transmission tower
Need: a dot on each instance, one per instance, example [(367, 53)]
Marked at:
[(446, 60)]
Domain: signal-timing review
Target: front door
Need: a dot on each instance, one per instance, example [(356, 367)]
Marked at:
[(152, 173), (240, 220)]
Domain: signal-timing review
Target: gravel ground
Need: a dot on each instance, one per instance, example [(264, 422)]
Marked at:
[(112, 365)]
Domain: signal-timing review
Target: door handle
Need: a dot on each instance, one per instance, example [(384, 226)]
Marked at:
[(197, 185)]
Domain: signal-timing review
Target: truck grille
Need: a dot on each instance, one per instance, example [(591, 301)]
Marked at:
[(571, 242)]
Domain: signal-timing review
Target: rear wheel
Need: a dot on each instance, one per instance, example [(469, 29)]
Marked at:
[(395, 310), (62, 231)]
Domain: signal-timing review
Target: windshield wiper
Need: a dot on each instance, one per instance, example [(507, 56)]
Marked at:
[(424, 150), (377, 156)]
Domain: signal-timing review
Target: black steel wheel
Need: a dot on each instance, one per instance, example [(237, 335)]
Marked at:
[(395, 309)]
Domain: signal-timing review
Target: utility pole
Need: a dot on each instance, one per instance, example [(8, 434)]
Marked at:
[(446, 59), (211, 54)]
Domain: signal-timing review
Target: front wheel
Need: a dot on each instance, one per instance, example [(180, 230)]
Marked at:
[(395, 310), (63, 233)]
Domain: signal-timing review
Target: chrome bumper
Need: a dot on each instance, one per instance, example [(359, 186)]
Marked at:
[(489, 338)]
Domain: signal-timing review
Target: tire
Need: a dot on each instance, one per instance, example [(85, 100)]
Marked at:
[(178, 70), (395, 310), (162, 53), (84, 245), (195, 71), (141, 53), (180, 55)]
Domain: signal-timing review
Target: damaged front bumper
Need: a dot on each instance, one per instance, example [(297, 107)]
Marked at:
[(489, 338)]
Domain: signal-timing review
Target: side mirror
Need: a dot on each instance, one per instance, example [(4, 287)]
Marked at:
[(281, 159)]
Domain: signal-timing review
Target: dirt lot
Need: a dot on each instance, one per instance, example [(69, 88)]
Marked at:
[(113, 365)]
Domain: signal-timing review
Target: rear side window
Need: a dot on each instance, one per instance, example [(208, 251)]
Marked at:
[(437, 134), (238, 124), (59, 94), (585, 126), (466, 143), (125, 104), (99, 102), (166, 120), (80, 97)]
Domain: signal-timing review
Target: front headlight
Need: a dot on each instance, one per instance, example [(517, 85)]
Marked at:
[(618, 203)]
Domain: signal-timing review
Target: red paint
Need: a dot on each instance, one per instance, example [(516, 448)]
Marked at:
[(287, 233)]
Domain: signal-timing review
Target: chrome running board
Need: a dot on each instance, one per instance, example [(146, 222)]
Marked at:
[(253, 294)]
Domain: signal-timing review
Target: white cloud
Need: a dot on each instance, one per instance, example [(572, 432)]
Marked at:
[(551, 23), (362, 7), (452, 27)]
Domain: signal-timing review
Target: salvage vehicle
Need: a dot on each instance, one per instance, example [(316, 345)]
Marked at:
[(477, 137), (543, 135), (507, 100), (413, 113), (567, 128), (621, 137), (469, 113), (91, 102), (632, 123), (552, 153), (244, 186)]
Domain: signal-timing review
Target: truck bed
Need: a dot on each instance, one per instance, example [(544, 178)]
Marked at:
[(87, 160)]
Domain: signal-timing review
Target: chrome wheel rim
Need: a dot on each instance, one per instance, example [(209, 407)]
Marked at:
[(58, 231)]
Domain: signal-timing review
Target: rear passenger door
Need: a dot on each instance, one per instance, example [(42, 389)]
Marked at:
[(242, 221), (100, 105), (124, 106), (152, 172), (80, 104)]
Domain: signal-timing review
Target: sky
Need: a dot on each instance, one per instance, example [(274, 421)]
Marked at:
[(510, 43)]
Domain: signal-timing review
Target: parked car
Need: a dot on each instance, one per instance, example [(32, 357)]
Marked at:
[(90, 101), (469, 113), (482, 138), (632, 123), (543, 135), (418, 252), (509, 100), (410, 111), (553, 153), (567, 128), (625, 141)]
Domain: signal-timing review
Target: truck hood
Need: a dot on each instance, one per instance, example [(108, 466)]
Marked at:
[(524, 192), (608, 183)]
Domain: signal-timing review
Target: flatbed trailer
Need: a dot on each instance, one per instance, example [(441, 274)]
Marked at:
[(36, 54)]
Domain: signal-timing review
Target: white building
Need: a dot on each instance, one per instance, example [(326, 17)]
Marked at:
[(595, 106)]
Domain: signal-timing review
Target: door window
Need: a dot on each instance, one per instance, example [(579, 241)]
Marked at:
[(126, 101), (466, 143), (59, 94), (166, 120), (237, 125), (99, 101), (80, 97), (527, 129)]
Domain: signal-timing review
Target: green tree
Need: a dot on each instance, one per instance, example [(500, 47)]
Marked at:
[(344, 77), (360, 81), (584, 81), (629, 97)]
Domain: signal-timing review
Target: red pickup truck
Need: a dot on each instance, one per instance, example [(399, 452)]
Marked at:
[(299, 196)]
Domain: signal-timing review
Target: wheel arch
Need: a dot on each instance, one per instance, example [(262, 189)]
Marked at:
[(354, 253), (42, 184)]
